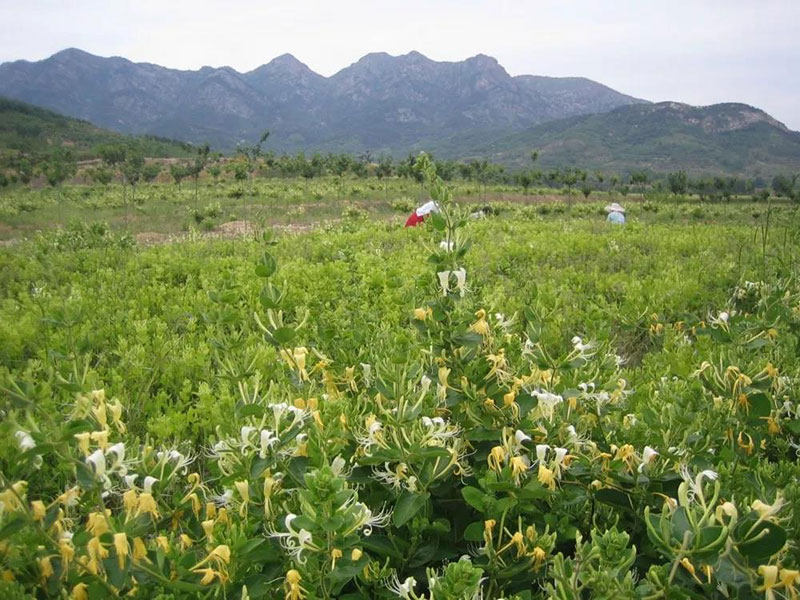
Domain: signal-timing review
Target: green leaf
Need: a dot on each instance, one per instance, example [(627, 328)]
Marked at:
[(613, 497), (759, 543), (381, 545), (13, 525), (474, 532), (407, 506), (266, 265), (283, 335), (760, 406), (474, 497), (438, 222)]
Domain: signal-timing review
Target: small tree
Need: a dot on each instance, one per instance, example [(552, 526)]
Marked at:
[(678, 182), (178, 172), (101, 174), (60, 166), (113, 156), (133, 167), (151, 171), (524, 180), (197, 166)]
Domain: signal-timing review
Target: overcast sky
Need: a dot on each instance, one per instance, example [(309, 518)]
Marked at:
[(694, 51)]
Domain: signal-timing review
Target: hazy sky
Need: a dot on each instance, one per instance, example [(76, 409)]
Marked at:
[(694, 51)]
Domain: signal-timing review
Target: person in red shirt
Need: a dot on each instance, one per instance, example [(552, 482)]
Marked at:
[(419, 215)]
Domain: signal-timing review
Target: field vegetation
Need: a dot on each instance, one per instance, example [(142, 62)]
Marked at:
[(532, 405)]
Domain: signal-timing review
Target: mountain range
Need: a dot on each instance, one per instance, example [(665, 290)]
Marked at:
[(381, 103), (398, 104)]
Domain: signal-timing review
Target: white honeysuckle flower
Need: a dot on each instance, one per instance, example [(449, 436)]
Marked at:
[(223, 499), (767, 511), (444, 281), (461, 280), (148, 484), (118, 450), (425, 384), (25, 440), (246, 431), (130, 480), (709, 474), (446, 246), (338, 466), (295, 542), (629, 420), (268, 439), (521, 437), (724, 316), (547, 403), (541, 452), (402, 590), (560, 454), (367, 520), (648, 456), (366, 370), (97, 461)]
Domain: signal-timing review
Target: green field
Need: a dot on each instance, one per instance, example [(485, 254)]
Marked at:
[(332, 408)]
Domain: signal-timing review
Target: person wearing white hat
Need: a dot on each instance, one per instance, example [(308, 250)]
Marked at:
[(419, 215), (616, 214)]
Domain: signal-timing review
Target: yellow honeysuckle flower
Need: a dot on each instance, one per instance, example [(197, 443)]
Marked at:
[(99, 413), (243, 487), (186, 541), (208, 575), (519, 541), (163, 543), (83, 442), (100, 438), (770, 575), (356, 554), (539, 555), (130, 502), (519, 466), (97, 524), (546, 477), (79, 592), (496, 459), (481, 326), (789, 579), (748, 446), (96, 550), (67, 552), (46, 567), (39, 510), (291, 584), (147, 505), (139, 550), (122, 548)]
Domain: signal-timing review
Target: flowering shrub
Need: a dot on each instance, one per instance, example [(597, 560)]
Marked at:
[(475, 455)]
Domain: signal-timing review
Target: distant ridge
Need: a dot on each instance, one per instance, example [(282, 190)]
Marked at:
[(37, 131), (380, 103), (727, 138)]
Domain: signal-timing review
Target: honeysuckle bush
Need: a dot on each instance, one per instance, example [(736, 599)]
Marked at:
[(468, 410)]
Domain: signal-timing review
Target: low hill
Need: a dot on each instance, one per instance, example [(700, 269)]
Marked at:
[(667, 136), (36, 131)]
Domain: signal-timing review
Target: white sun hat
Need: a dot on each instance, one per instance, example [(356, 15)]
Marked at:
[(614, 207), (427, 208)]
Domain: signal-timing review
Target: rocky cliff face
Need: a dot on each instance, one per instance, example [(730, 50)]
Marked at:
[(381, 102)]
